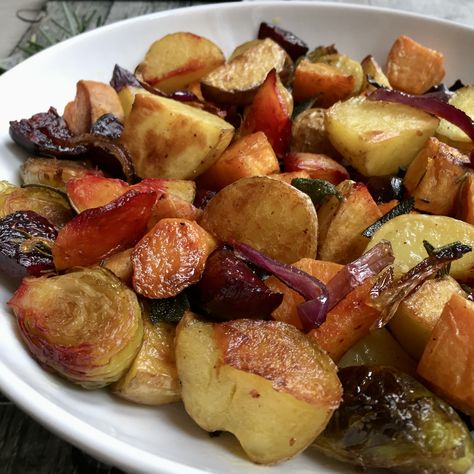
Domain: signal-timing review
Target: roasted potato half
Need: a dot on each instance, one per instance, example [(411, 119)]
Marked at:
[(169, 139), (406, 234), (263, 381), (237, 81), (377, 138), (267, 214)]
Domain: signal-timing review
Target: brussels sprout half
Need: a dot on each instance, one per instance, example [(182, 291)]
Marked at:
[(389, 420), (86, 325)]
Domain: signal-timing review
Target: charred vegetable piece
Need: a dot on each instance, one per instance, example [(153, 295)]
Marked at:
[(85, 325), (169, 310), (121, 78), (228, 289), (25, 244), (108, 125), (109, 155), (389, 420), (316, 189), (36, 134), (100, 232), (403, 207), (293, 45), (47, 202), (54, 173), (385, 188)]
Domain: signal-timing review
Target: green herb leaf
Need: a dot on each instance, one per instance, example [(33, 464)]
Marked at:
[(169, 310), (403, 207), (316, 189), (446, 251)]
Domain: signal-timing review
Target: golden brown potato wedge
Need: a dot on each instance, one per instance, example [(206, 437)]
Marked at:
[(341, 223), (169, 139), (127, 97), (251, 155), (237, 81), (170, 257), (263, 381), (412, 67), (377, 138), (93, 99), (152, 379), (418, 313), (179, 59), (267, 214), (406, 234), (462, 99), (435, 176)]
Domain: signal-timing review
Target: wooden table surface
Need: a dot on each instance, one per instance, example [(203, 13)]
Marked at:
[(26, 447)]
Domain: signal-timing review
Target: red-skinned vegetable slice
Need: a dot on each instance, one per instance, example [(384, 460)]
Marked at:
[(97, 233)]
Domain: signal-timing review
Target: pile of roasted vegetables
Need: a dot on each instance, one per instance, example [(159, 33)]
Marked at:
[(282, 240)]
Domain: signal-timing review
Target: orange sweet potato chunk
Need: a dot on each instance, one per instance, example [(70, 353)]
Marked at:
[(447, 363), (412, 67), (170, 257), (100, 232), (251, 155), (93, 99), (321, 80), (348, 322)]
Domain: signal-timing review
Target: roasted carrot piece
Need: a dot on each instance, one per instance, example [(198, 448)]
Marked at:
[(348, 322), (251, 155), (100, 232), (446, 363), (170, 257)]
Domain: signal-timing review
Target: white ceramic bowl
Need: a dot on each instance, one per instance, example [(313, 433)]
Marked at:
[(164, 439)]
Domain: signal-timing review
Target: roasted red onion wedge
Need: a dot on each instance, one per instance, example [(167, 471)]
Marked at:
[(108, 125), (36, 134), (313, 311), (122, 77), (428, 104), (228, 289), (355, 273), (26, 239), (97, 233)]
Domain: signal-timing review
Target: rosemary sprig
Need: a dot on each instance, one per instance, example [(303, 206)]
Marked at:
[(73, 25)]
